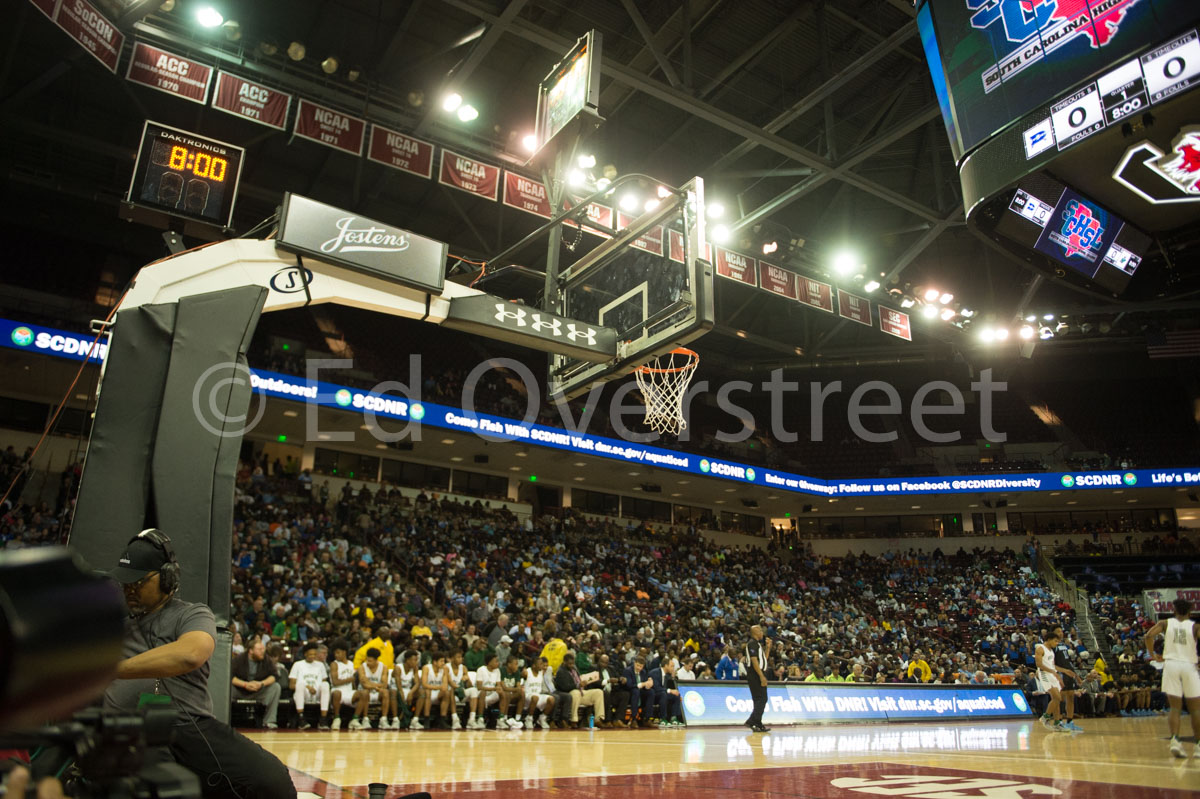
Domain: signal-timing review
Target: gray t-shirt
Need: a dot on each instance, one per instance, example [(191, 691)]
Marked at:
[(169, 623)]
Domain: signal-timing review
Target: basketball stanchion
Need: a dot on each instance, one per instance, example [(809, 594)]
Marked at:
[(663, 381)]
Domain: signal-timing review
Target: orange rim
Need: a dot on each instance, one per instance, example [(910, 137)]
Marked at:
[(691, 364)]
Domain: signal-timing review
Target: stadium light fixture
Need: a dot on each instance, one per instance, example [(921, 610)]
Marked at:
[(966, 313), (209, 17), (1002, 334), (907, 302), (871, 285), (844, 262), (947, 314), (663, 192), (929, 311), (715, 210), (576, 178), (467, 113), (296, 51), (603, 183), (946, 298), (1026, 332), (987, 335), (451, 102), (1045, 333), (530, 142), (1048, 317), (629, 203), (770, 247), (1031, 318), (931, 295), (651, 204), (586, 161), (720, 233)]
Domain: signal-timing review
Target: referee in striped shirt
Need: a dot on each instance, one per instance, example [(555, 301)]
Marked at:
[(756, 677)]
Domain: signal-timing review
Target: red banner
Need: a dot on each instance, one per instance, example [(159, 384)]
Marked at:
[(47, 7), (401, 152), (526, 194), (778, 281), (469, 175), (331, 128), (736, 266), (816, 294), (854, 308), (84, 23), (251, 101), (651, 241), (894, 323), (169, 73), (675, 251)]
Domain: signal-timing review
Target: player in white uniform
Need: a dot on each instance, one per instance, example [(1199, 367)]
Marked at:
[(488, 689), (1049, 681), (341, 672), (309, 682), (536, 694), (1180, 680), (405, 688), (435, 688), (460, 683), (372, 677)]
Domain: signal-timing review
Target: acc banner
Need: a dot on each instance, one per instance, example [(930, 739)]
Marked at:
[(469, 175), (390, 148), (728, 702), (777, 281), (169, 73), (816, 294), (331, 128), (526, 194), (736, 266), (251, 101), (854, 308), (894, 323), (84, 23)]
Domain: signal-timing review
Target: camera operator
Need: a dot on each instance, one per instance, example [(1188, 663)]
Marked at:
[(168, 643)]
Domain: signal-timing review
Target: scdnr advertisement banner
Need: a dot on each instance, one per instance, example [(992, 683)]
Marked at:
[(469, 175), (1159, 602), (894, 323), (170, 73), (526, 194), (736, 266), (854, 308), (251, 101), (84, 23), (331, 128), (394, 149)]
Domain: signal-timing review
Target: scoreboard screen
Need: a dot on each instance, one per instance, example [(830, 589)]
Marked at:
[(994, 61), (186, 175), (1074, 231)]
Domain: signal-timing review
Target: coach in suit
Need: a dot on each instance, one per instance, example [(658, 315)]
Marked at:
[(641, 691), (667, 699)]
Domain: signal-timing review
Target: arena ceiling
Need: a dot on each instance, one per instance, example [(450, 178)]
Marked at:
[(814, 121)]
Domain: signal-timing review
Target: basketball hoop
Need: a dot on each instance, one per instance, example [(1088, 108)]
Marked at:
[(663, 382)]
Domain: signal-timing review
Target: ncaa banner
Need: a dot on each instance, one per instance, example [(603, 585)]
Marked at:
[(735, 266), (84, 23), (600, 214), (526, 194), (394, 149), (170, 73), (854, 308), (331, 128), (251, 101), (894, 323), (777, 280), (469, 175)]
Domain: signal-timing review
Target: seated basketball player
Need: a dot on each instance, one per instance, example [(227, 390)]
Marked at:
[(405, 687), (309, 685), (512, 685), (537, 695), (372, 676), (341, 674), (435, 690), (488, 693)]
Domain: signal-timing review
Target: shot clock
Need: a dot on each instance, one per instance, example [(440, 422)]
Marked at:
[(186, 175)]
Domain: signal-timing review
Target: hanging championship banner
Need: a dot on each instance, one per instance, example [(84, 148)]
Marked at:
[(600, 214), (251, 101), (469, 175), (816, 294), (47, 7), (894, 323), (675, 246), (169, 73), (526, 194), (84, 23), (331, 128), (854, 308), (736, 266), (651, 241), (401, 152), (777, 280)]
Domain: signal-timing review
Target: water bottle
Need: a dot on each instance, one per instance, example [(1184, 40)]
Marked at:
[(591, 721)]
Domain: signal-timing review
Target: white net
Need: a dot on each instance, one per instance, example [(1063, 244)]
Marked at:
[(663, 382)]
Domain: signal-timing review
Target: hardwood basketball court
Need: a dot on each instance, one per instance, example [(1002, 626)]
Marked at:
[(1114, 758)]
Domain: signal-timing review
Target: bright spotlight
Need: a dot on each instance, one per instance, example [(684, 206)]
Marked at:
[(663, 192), (451, 101), (603, 183), (1002, 334), (628, 203), (945, 298), (844, 263), (530, 142), (720, 233), (329, 65), (929, 311), (715, 210), (770, 247), (586, 161), (967, 313), (1026, 332), (296, 51), (947, 314), (576, 178), (1031, 318), (1048, 317), (871, 285), (987, 335), (931, 295), (467, 113), (651, 204), (1045, 333), (208, 17), (907, 302)]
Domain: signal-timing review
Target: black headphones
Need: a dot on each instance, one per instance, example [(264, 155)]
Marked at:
[(168, 573)]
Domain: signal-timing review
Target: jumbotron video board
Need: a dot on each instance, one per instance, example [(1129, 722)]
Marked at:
[(1095, 102)]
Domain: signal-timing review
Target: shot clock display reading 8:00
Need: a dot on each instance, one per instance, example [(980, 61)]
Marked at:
[(185, 174)]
